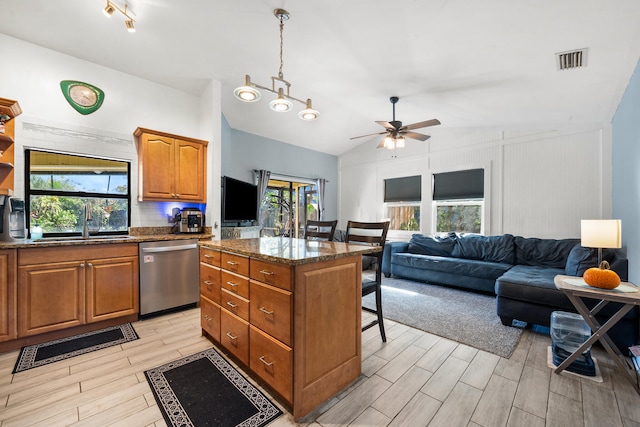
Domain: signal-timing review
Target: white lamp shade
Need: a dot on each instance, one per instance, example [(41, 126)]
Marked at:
[(601, 233)]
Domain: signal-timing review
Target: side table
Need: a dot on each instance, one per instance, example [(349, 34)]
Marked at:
[(627, 294)]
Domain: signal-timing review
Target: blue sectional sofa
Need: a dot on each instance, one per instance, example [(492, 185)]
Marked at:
[(518, 270)]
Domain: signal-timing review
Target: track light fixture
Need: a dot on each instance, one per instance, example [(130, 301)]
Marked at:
[(249, 92), (111, 7)]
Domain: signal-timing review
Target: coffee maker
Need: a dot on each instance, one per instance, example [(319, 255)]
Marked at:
[(13, 225)]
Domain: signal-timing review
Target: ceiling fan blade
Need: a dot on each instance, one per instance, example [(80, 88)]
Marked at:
[(371, 134), (380, 144), (419, 125), (386, 125), (414, 135)]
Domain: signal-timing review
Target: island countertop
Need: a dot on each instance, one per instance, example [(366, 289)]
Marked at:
[(288, 250)]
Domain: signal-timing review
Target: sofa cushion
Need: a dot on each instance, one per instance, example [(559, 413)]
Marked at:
[(459, 266), (543, 252), (441, 245), (498, 249), (533, 284)]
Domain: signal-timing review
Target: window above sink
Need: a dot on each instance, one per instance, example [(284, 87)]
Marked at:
[(61, 185)]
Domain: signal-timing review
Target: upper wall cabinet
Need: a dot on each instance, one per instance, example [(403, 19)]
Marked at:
[(9, 109), (171, 167)]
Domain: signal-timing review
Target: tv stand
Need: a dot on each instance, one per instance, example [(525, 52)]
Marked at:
[(240, 232)]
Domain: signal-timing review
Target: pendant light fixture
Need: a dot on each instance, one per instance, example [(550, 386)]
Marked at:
[(249, 91), (110, 9)]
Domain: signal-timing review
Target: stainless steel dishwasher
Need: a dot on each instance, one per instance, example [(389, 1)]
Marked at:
[(168, 275)]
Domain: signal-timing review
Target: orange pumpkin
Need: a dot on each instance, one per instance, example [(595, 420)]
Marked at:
[(601, 277)]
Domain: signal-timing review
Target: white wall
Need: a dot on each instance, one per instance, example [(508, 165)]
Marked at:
[(31, 75), (537, 183)]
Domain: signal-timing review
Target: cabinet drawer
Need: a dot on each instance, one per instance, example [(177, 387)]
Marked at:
[(271, 273), (210, 318), (235, 304), (234, 335), (210, 282), (270, 310), (237, 263), (235, 283), (272, 361), (210, 256)]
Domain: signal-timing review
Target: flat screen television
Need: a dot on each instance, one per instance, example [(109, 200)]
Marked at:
[(239, 201)]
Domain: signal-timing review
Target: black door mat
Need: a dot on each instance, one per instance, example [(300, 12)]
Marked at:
[(53, 351), (205, 390)]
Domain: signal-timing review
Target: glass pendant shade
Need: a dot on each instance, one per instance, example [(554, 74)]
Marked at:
[(400, 142), (109, 9), (130, 26), (280, 104), (247, 92), (389, 142), (308, 113)]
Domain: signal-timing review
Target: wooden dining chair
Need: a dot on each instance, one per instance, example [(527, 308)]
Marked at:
[(320, 230), (371, 233)]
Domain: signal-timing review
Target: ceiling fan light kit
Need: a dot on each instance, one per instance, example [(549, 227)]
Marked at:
[(249, 91), (395, 133)]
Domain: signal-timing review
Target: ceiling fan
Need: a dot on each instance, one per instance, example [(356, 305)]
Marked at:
[(396, 133)]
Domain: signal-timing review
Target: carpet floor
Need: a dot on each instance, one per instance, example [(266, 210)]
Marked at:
[(459, 315), (205, 390), (42, 354)]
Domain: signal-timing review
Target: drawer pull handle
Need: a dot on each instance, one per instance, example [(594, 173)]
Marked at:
[(208, 256), (267, 273), (233, 285), (232, 305), (232, 263), (233, 338), (265, 362), (208, 283), (82, 265), (265, 311)]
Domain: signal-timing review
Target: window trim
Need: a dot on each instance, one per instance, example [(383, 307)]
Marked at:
[(28, 192)]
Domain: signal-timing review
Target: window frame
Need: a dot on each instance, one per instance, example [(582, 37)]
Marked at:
[(79, 194)]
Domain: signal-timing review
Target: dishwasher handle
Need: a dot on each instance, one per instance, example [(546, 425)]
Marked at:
[(170, 248)]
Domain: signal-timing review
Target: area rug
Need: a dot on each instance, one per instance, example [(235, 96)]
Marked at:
[(466, 317), (205, 390), (65, 348)]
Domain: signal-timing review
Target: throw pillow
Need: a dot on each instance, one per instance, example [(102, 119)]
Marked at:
[(579, 259), (439, 245)]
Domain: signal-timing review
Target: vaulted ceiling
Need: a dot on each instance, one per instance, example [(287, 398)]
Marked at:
[(467, 63)]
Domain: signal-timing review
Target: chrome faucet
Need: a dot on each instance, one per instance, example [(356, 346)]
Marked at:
[(87, 217)]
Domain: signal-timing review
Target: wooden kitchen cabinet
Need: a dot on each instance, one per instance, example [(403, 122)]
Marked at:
[(12, 109), (171, 167), (8, 324), (75, 286), (112, 288)]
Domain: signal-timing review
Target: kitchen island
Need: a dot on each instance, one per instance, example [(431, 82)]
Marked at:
[(287, 309)]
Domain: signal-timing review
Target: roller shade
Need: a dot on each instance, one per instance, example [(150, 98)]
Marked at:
[(467, 184), (405, 189)]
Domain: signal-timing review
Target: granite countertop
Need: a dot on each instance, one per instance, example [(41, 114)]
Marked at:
[(288, 250), (137, 235)]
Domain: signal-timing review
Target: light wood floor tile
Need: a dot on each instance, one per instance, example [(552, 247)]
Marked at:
[(397, 345), (372, 364), (458, 408), (418, 412), (29, 411), (371, 417), (533, 391), (561, 409), (401, 363), (445, 378), (144, 417), (630, 423), (401, 391), (520, 418), (355, 403), (427, 341), (122, 411), (509, 368), (436, 356), (480, 370), (65, 418), (600, 407), (465, 352), (495, 403), (566, 385), (96, 406)]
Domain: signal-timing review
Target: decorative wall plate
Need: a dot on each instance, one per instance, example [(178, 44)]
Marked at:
[(83, 97)]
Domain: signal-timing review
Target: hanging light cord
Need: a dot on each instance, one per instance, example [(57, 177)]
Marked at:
[(281, 44)]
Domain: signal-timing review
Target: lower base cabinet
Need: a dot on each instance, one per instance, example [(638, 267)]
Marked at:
[(77, 285), (8, 328), (234, 335), (210, 317), (272, 361)]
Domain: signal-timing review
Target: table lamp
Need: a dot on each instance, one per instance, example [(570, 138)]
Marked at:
[(601, 233)]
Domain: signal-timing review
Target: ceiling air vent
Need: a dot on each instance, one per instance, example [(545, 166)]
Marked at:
[(572, 59)]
